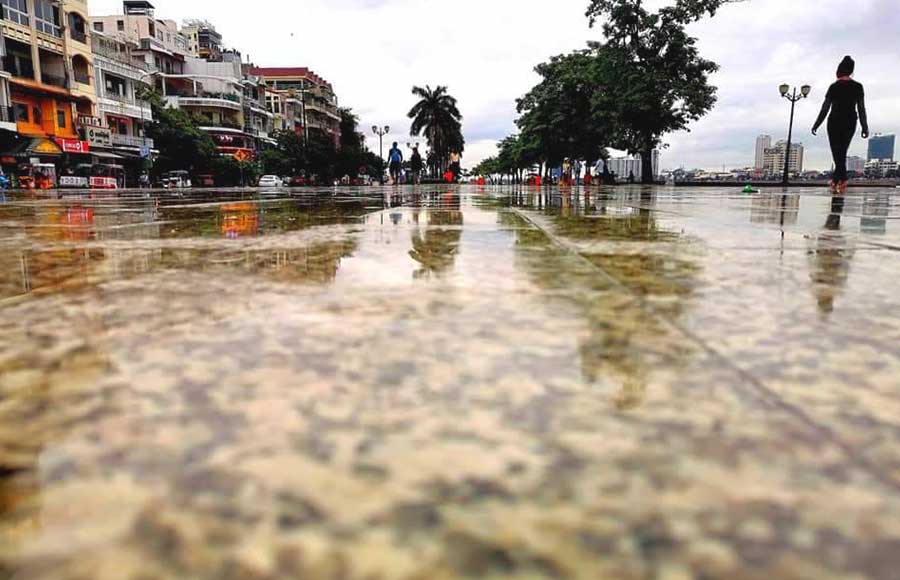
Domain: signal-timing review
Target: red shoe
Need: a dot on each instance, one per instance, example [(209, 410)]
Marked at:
[(843, 187)]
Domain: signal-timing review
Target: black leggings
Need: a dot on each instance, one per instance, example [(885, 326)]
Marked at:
[(840, 134)]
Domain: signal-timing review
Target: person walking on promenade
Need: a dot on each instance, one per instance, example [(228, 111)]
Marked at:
[(455, 168), (845, 98), (416, 166), (395, 158)]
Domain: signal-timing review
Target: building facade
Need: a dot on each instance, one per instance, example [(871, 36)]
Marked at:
[(48, 82), (881, 147), (122, 114), (763, 142), (319, 103), (775, 156), (881, 168)]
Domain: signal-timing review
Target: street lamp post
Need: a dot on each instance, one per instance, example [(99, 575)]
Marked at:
[(794, 97), (381, 132)]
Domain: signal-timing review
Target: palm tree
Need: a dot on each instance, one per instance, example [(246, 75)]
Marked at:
[(437, 115)]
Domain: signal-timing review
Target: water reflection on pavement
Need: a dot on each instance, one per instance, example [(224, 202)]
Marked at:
[(449, 382)]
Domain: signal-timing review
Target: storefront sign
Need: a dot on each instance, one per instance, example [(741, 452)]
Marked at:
[(45, 146), (98, 136), (104, 183), (74, 146)]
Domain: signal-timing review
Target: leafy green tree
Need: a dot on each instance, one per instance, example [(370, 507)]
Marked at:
[(437, 115), (663, 81), (559, 117), (182, 144)]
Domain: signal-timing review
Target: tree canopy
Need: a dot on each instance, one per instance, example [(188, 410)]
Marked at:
[(437, 115)]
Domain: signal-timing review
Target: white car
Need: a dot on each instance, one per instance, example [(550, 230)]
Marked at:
[(270, 181)]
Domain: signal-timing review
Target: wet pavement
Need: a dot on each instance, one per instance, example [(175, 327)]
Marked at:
[(450, 382)]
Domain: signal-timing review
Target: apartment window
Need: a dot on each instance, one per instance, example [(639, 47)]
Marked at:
[(46, 18), (152, 30), (21, 112), (36, 115), (98, 26), (120, 25), (61, 118), (115, 86), (16, 11)]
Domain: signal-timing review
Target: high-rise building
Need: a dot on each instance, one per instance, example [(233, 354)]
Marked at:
[(160, 45), (763, 142), (881, 147), (774, 159), (856, 164)]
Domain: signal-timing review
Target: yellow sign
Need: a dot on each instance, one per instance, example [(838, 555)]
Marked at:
[(47, 146), (243, 155)]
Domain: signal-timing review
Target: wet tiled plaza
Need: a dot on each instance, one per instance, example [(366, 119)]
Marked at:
[(449, 383)]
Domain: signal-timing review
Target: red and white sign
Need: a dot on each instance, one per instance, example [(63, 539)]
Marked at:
[(104, 183), (74, 146)]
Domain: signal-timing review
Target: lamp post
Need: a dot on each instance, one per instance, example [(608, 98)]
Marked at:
[(381, 132), (794, 97)]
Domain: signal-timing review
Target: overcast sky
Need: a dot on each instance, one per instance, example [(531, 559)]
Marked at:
[(374, 51)]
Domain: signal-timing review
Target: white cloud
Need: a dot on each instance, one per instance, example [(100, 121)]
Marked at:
[(373, 51)]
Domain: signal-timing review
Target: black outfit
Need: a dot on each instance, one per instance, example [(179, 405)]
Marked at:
[(844, 99)]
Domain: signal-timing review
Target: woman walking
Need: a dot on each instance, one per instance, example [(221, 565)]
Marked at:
[(845, 98)]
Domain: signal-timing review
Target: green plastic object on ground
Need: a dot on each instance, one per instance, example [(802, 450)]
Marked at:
[(749, 189)]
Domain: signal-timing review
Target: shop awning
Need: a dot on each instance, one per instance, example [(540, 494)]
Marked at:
[(104, 155), (33, 146)]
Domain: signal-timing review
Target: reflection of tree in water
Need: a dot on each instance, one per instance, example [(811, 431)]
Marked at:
[(437, 248), (622, 341), (830, 260)]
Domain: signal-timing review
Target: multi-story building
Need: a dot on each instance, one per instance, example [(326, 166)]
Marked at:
[(122, 113), (319, 103), (214, 92), (258, 119), (881, 147), (287, 109), (203, 39), (763, 142), (856, 165), (160, 44), (879, 168), (775, 156), (47, 61)]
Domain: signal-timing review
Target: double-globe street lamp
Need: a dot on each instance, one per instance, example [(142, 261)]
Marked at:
[(381, 133), (794, 97)]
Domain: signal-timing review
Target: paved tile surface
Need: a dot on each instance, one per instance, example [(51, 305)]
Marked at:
[(452, 382)]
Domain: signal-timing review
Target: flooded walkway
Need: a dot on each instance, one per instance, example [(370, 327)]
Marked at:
[(446, 383)]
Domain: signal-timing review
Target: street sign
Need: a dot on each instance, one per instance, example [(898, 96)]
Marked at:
[(145, 151), (98, 136)]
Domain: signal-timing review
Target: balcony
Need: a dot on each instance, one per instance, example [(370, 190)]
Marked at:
[(132, 141), (7, 119), (53, 80), (82, 78), (78, 36), (205, 101)]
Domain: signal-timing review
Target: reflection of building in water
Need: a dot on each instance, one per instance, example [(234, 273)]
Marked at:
[(775, 209), (436, 249), (876, 209), (830, 259), (239, 220)]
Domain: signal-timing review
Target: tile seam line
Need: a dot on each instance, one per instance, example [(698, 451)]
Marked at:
[(761, 391)]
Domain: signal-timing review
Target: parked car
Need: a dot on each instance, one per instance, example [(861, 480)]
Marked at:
[(298, 181), (270, 181), (176, 180)]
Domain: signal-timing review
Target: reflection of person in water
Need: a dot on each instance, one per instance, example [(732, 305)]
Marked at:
[(830, 260)]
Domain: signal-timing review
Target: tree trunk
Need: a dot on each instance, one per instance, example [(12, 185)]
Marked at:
[(647, 176)]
